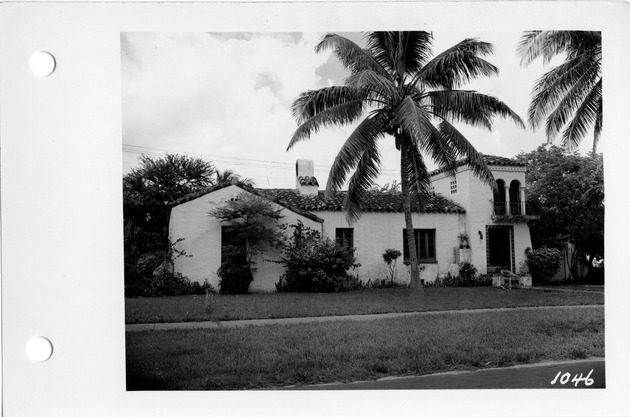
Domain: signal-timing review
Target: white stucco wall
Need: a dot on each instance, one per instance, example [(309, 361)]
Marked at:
[(375, 232), (202, 240), (477, 199)]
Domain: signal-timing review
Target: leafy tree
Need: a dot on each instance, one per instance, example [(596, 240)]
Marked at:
[(252, 223), (405, 93), (569, 95), (566, 190), (147, 192)]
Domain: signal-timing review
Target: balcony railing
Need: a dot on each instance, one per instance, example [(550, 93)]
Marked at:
[(516, 208)]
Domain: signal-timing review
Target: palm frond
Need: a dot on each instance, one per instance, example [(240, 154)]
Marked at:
[(552, 86), (598, 127), (373, 85), (566, 106), (416, 123), (383, 47), (548, 44), (310, 103), (367, 171), (352, 56), (416, 170), (465, 150), (585, 116), (414, 120), (457, 65), (364, 137), (416, 50), (400, 52), (470, 107), (341, 114)]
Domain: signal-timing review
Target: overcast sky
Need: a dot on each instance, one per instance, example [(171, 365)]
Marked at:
[(227, 98)]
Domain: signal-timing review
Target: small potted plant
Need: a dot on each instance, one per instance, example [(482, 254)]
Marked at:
[(463, 241), (464, 253), (526, 277)]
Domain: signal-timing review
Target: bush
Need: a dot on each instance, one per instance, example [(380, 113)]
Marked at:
[(313, 264), (483, 281), (390, 256), (200, 289), (467, 274), (234, 278), (151, 275), (382, 283), (543, 263), (166, 284), (467, 278)]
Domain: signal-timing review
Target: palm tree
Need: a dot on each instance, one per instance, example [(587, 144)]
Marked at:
[(230, 177), (570, 94), (405, 93)]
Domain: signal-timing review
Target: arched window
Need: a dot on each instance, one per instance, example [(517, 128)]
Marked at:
[(499, 198), (515, 197)]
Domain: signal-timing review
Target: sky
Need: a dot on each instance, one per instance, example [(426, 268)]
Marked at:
[(226, 97)]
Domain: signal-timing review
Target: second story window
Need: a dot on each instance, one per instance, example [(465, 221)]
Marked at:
[(453, 186), (345, 236)]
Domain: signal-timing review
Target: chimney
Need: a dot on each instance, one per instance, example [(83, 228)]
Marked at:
[(305, 181)]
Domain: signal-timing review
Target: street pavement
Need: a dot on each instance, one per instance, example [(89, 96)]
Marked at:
[(540, 375)]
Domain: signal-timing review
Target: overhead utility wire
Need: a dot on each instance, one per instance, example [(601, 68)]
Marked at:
[(257, 163)]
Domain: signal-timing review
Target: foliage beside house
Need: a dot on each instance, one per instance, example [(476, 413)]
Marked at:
[(148, 190), (567, 192)]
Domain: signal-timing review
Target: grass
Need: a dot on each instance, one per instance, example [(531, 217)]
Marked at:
[(274, 356), (280, 305)]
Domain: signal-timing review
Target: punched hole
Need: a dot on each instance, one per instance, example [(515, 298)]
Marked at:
[(39, 349), (42, 63)]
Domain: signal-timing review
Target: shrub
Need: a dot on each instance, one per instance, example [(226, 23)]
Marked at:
[(153, 275), (543, 263), (166, 284), (200, 289), (483, 281), (382, 283), (467, 274), (234, 278), (313, 264), (451, 281), (464, 280), (390, 257)]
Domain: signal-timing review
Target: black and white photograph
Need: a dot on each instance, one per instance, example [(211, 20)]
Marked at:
[(314, 208), (374, 210)]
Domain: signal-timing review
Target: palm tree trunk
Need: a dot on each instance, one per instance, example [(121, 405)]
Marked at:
[(415, 284)]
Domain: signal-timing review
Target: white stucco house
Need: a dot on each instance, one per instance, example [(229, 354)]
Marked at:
[(496, 225)]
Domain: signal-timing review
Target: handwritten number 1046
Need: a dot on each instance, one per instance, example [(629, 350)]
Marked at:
[(566, 377)]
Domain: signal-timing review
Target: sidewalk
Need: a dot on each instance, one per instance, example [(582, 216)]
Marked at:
[(215, 325), (538, 375)]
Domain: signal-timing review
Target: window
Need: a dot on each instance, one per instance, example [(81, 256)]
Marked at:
[(232, 246), (432, 190), (345, 237), (454, 186), (425, 244)]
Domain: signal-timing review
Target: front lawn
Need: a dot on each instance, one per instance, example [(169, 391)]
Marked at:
[(273, 356), (280, 305)]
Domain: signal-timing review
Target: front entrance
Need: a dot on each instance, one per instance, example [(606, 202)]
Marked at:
[(500, 248)]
